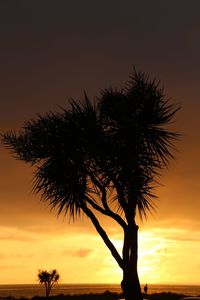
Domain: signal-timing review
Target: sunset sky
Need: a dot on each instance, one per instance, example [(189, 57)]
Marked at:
[(51, 50)]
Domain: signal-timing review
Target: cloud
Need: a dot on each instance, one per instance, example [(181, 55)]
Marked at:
[(22, 256), (14, 234), (7, 267), (178, 234), (183, 238), (8, 237), (16, 255), (82, 253), (2, 255)]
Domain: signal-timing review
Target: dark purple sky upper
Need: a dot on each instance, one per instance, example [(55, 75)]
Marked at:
[(52, 50)]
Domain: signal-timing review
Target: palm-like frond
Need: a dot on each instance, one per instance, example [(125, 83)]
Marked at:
[(122, 143), (140, 145), (62, 184)]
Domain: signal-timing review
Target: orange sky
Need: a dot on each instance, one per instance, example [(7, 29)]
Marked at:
[(53, 50)]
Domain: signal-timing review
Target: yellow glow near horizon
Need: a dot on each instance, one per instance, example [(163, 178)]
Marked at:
[(161, 254), (81, 256)]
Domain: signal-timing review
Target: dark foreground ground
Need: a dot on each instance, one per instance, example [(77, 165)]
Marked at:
[(104, 296)]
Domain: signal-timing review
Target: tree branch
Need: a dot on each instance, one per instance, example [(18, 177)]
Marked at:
[(106, 211), (103, 235)]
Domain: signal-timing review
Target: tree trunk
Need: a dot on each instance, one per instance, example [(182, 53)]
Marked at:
[(130, 283), (48, 289)]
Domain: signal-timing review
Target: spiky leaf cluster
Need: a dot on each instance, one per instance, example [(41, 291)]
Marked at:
[(119, 143)]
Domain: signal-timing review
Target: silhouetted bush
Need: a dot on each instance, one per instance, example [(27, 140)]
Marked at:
[(164, 296)]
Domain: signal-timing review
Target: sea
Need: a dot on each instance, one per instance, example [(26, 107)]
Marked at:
[(31, 290)]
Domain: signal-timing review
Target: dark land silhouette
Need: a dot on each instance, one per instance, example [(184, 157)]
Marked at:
[(103, 296)]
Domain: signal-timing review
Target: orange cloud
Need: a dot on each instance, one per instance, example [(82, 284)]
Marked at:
[(82, 252)]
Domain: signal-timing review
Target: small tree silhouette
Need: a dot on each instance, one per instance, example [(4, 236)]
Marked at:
[(48, 279)]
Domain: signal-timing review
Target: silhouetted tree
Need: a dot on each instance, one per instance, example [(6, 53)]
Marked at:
[(103, 157), (48, 279)]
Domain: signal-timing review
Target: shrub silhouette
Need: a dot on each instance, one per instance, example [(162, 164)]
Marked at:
[(48, 279)]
